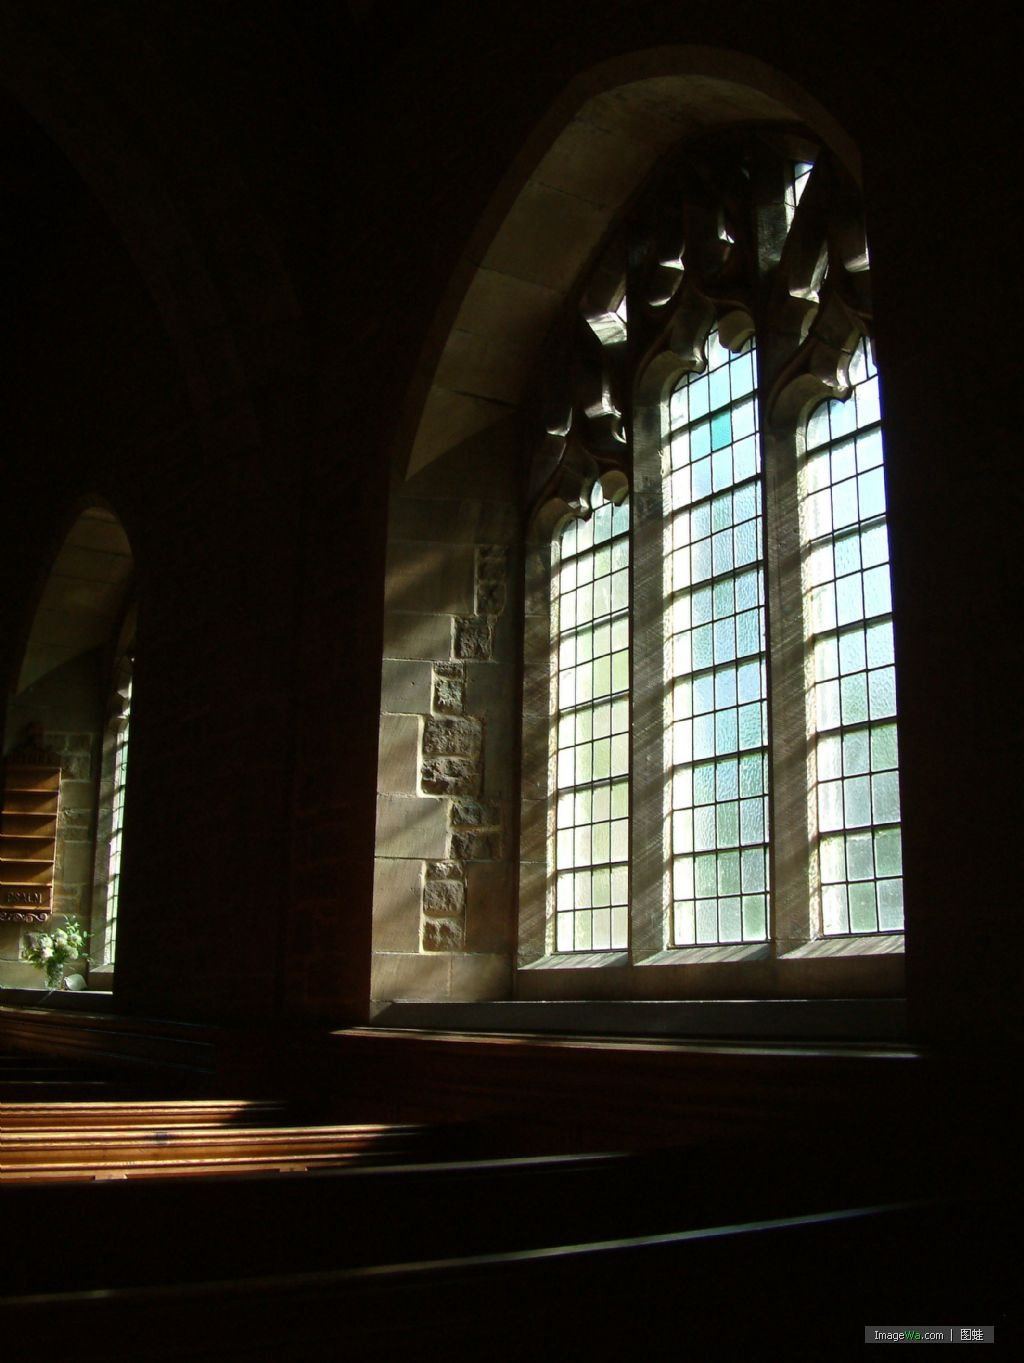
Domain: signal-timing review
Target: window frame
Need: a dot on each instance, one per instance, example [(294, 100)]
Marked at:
[(796, 961)]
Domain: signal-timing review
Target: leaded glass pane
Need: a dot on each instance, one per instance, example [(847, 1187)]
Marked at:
[(109, 949), (590, 641), (852, 700), (716, 665)]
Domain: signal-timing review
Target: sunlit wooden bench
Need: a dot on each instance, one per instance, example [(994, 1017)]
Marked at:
[(189, 1144)]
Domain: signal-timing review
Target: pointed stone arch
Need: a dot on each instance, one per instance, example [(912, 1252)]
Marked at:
[(549, 216), (448, 892), (60, 703)]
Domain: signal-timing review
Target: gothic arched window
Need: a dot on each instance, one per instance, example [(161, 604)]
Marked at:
[(715, 779)]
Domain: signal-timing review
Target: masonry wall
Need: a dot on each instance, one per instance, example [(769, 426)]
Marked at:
[(447, 828), (236, 233)]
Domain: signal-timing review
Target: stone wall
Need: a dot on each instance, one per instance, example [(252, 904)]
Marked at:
[(444, 900)]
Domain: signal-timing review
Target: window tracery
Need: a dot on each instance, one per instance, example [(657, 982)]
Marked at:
[(717, 369)]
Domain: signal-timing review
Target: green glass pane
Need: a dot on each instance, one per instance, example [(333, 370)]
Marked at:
[(682, 831), (854, 699), (683, 924), (725, 731), (752, 870), (884, 748), (752, 821), (725, 687), (860, 860), (600, 842), (857, 801), (879, 643), (890, 905), (729, 873), (882, 692), (704, 827), (829, 757), (862, 908), (727, 780), (855, 753), (601, 887), (751, 775), (833, 909), (885, 797), (707, 920), (832, 860), (706, 875), (755, 924), (730, 920), (728, 824), (704, 784), (851, 652)]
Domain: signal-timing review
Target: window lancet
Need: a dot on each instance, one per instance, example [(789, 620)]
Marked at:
[(716, 683), (852, 699), (590, 693)]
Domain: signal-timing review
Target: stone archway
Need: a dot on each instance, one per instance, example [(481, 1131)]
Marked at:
[(451, 771), (59, 705), (549, 216)]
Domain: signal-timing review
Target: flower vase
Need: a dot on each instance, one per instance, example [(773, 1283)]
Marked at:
[(54, 974)]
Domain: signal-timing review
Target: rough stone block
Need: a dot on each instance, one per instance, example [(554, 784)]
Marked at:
[(490, 597), (443, 934), (492, 561), (443, 870), (474, 846), (444, 898), (451, 736), (474, 814), (449, 688), (491, 578), (472, 637), (449, 776)]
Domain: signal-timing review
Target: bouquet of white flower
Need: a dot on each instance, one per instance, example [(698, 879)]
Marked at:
[(51, 951)]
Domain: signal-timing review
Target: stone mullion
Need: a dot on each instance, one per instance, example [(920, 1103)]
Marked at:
[(779, 322)]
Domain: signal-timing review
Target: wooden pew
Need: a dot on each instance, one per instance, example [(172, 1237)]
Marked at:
[(102, 1114), (738, 1290), (381, 1213), (148, 1150)]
